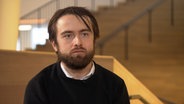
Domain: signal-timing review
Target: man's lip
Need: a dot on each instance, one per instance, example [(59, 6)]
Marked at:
[(78, 50)]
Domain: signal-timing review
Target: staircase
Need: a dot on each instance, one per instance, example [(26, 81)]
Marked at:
[(159, 64)]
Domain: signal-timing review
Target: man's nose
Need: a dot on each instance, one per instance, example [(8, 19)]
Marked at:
[(78, 41)]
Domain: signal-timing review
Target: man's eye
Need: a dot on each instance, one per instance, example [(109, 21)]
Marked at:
[(85, 34), (68, 35)]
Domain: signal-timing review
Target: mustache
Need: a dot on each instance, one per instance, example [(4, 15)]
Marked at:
[(78, 49)]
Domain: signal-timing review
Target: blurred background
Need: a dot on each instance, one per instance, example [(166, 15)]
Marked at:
[(145, 36)]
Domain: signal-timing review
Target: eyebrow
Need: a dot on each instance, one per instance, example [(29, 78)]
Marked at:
[(85, 30), (64, 32), (82, 30)]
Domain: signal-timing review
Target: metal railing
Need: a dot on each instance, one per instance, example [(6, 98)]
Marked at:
[(46, 11), (172, 12), (125, 27), (39, 17), (57, 4), (144, 101), (139, 97)]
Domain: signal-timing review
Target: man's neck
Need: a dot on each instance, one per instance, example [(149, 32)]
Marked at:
[(79, 73)]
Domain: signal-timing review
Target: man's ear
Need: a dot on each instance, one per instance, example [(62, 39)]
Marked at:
[(54, 45)]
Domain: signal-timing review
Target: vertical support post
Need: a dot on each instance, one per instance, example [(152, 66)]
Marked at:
[(150, 25), (101, 49), (38, 17), (93, 5), (172, 12), (9, 22), (75, 2), (112, 3), (57, 4), (126, 43)]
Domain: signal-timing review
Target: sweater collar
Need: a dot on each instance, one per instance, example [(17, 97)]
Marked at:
[(84, 77)]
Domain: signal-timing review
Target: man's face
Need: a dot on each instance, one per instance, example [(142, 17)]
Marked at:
[(75, 42)]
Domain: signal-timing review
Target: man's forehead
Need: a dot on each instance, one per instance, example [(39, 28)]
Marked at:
[(83, 19)]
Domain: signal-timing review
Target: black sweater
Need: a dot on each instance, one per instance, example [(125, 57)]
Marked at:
[(51, 86)]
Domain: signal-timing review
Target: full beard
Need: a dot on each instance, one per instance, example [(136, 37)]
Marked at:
[(76, 62)]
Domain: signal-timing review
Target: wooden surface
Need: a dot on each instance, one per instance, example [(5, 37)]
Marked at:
[(17, 68)]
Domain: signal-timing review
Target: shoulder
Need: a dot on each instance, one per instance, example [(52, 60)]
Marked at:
[(42, 76), (47, 70), (35, 91), (108, 75), (111, 82)]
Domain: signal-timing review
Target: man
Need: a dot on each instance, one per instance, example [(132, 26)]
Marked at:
[(75, 78)]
